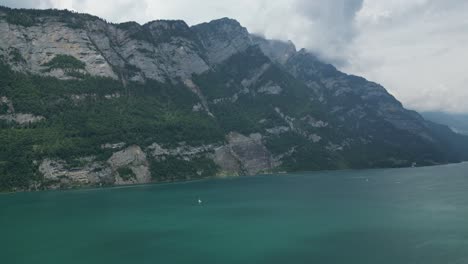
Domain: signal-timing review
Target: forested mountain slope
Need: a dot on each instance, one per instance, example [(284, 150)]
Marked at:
[(84, 102)]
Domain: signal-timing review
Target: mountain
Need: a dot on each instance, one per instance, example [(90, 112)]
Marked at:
[(88, 103), (457, 122)]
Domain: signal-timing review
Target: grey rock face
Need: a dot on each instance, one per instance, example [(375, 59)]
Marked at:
[(5, 100), (52, 170), (103, 47), (291, 121), (270, 89), (57, 174), (278, 130), (314, 138), (159, 50), (227, 161), (22, 119), (254, 76), (253, 156), (37, 45), (18, 118), (167, 50), (182, 151), (314, 123), (241, 155), (288, 119), (222, 38), (113, 146), (133, 158), (276, 50)]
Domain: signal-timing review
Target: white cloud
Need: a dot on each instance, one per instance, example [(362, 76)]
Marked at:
[(27, 3), (415, 48)]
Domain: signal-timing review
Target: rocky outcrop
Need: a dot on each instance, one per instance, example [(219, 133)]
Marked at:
[(276, 50), (250, 153), (132, 158), (222, 38), (22, 119), (278, 130), (314, 122), (228, 163), (119, 145), (89, 172), (240, 155), (58, 174), (270, 88), (32, 47), (19, 118), (159, 50), (183, 151), (6, 104)]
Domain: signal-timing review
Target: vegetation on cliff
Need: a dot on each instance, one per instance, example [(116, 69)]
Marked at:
[(79, 119)]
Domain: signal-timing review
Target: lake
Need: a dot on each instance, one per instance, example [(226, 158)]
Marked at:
[(393, 216)]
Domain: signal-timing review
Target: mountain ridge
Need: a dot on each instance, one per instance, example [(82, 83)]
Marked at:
[(457, 122), (86, 103)]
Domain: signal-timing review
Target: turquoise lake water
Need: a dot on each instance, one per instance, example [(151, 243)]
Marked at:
[(393, 216)]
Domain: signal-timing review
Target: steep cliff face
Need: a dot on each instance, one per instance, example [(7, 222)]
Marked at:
[(222, 38), (86, 102), (30, 48), (159, 50)]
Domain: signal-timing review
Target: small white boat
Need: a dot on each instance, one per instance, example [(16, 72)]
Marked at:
[(199, 201)]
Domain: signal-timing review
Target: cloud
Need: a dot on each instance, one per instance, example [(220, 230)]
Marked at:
[(116, 11), (27, 3), (329, 26), (415, 48)]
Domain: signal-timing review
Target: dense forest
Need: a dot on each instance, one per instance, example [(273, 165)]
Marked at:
[(137, 114)]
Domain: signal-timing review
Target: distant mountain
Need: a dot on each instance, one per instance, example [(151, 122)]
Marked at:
[(457, 122), (85, 102)]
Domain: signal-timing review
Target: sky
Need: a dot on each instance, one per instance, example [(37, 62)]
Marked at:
[(417, 49)]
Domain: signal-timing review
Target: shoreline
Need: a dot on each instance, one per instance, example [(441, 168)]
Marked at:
[(96, 188)]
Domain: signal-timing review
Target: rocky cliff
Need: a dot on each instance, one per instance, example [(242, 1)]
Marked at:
[(86, 102)]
